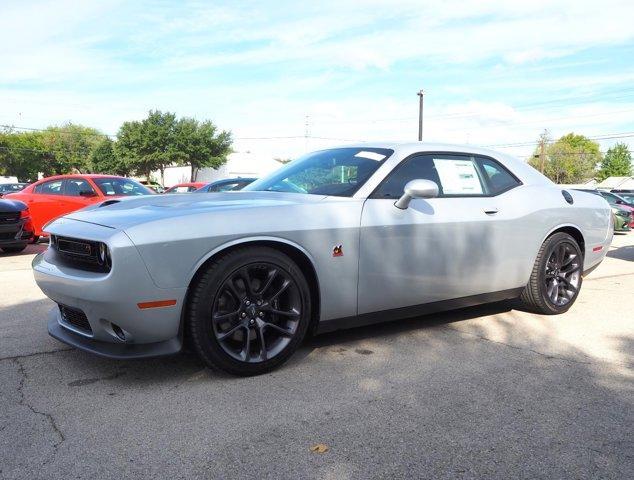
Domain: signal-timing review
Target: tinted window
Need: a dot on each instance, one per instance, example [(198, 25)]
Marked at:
[(112, 186), (338, 172), (54, 187), (75, 187), (498, 178), (226, 187), (455, 175)]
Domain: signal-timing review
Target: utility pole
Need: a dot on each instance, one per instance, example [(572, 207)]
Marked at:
[(542, 151), (420, 114), (306, 132)]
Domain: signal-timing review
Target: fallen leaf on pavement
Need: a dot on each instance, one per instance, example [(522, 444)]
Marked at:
[(319, 448)]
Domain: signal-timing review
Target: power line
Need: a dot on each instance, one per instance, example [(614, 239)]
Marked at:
[(605, 136)]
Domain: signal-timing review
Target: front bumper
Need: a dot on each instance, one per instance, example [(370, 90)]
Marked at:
[(119, 351), (14, 235), (118, 328)]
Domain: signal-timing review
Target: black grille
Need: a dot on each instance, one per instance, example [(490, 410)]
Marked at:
[(12, 217), (82, 254), (76, 318), (8, 235)]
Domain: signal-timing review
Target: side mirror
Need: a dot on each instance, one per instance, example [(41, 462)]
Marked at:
[(417, 189), (87, 193)]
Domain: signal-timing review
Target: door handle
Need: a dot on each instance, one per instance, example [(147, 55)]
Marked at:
[(490, 211)]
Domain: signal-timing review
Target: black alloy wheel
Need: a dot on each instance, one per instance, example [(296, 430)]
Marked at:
[(563, 273), (556, 277), (248, 311), (256, 312)]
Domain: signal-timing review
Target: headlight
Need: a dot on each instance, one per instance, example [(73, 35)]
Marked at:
[(104, 255)]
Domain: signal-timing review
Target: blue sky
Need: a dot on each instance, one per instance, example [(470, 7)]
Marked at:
[(494, 73)]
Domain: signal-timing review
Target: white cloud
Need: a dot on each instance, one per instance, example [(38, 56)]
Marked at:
[(101, 63)]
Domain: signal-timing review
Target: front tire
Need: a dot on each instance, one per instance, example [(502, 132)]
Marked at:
[(556, 277), (248, 311)]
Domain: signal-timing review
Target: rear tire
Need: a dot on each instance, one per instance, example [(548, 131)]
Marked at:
[(248, 311), (556, 277), (13, 249)]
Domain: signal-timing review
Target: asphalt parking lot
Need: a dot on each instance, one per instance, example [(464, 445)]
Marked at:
[(489, 392)]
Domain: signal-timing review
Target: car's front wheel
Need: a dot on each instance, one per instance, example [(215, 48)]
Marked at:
[(556, 277), (248, 310)]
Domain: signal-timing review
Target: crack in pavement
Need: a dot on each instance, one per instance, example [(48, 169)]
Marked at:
[(516, 347), (35, 354), (23, 401)]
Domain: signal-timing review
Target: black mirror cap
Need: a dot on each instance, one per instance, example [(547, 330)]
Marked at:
[(567, 197)]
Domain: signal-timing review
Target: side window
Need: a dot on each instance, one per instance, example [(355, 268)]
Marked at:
[(498, 178), (54, 187), (227, 187), (455, 175), (77, 187)]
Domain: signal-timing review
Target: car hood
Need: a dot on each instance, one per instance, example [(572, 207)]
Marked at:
[(9, 205), (122, 213)]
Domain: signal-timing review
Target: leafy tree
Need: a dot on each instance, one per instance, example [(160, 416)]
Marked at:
[(70, 146), (149, 144), (104, 160), (200, 145), (617, 162), (571, 159), (22, 155)]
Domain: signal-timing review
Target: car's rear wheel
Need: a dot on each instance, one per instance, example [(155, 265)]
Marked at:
[(248, 311), (13, 249), (556, 277)]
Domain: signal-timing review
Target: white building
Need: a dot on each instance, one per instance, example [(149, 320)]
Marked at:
[(239, 164), (620, 183)]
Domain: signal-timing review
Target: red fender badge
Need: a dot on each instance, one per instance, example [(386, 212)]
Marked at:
[(337, 251)]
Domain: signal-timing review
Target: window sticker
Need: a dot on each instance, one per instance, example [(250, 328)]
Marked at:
[(458, 177), (370, 155)]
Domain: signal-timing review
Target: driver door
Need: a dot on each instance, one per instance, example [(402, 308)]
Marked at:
[(436, 249)]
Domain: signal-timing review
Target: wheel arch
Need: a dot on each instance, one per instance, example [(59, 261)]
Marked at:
[(573, 231), (570, 229), (297, 253)]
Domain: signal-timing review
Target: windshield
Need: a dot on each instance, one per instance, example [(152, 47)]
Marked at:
[(628, 197), (339, 172), (114, 186)]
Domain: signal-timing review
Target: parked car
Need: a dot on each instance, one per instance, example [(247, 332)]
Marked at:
[(185, 187), (16, 229), (613, 199), (627, 195), (11, 187), (53, 197), (379, 232), (154, 186), (623, 219), (226, 185)]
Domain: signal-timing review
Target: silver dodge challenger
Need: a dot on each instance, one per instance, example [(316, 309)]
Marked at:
[(338, 238)]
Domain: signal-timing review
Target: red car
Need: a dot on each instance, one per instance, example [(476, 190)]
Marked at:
[(185, 187), (53, 197)]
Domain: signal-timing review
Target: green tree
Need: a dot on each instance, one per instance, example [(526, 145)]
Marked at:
[(616, 163), (22, 155), (149, 144), (70, 146), (104, 160), (200, 145), (571, 159)]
